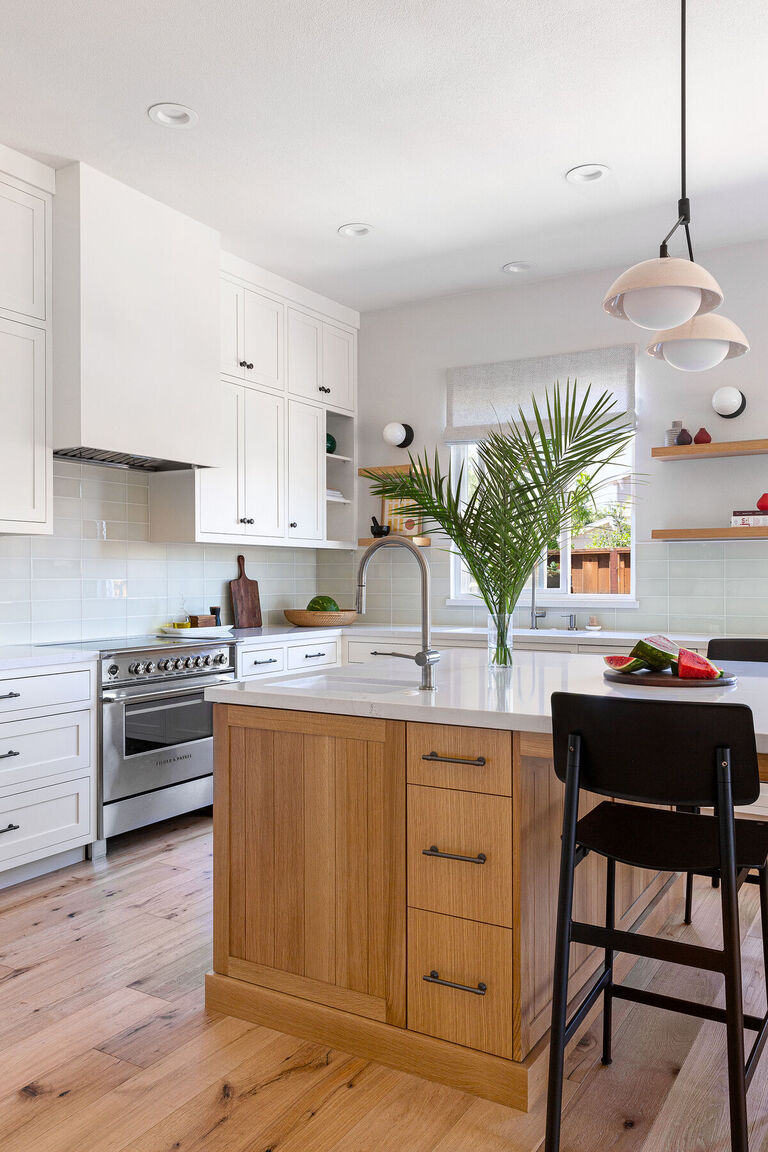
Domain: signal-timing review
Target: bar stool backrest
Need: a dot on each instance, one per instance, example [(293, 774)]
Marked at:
[(656, 751), (738, 648)]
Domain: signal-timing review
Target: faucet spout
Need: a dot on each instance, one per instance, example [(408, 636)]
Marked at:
[(427, 657)]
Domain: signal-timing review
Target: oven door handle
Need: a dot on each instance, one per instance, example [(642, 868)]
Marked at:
[(167, 694)]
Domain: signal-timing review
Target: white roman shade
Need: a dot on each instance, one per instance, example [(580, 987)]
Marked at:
[(482, 396)]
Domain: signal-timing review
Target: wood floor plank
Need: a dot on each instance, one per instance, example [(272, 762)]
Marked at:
[(148, 1041), (52, 1099)]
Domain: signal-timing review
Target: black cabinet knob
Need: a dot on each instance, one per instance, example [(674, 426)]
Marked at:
[(249, 520), (293, 524), (321, 388), (249, 365), (243, 520), (243, 363)]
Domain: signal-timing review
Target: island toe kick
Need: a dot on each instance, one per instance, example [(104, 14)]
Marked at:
[(389, 888)]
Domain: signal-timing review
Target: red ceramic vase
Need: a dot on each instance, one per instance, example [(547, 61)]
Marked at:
[(702, 437), (763, 502)]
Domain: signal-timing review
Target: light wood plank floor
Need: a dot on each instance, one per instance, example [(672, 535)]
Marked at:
[(105, 1044)]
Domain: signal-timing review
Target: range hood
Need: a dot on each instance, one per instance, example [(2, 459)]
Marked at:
[(136, 341)]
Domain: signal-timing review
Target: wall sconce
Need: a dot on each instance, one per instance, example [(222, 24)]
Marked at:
[(729, 402), (398, 435)]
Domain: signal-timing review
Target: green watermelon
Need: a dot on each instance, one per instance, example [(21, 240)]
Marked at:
[(322, 604), (624, 663), (693, 666), (656, 652)]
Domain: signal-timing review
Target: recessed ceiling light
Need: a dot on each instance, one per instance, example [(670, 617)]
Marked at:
[(173, 115), (587, 173), (355, 230), (515, 266)]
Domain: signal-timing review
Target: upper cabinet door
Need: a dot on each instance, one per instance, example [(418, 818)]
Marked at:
[(264, 503), (262, 347), (23, 402), (338, 367), (305, 356), (220, 492), (232, 308), (22, 243), (306, 471)]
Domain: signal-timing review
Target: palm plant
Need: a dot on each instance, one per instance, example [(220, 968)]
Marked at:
[(529, 481)]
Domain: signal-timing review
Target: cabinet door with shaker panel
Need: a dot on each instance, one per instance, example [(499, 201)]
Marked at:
[(220, 489), (251, 336), (24, 460), (306, 471), (264, 463)]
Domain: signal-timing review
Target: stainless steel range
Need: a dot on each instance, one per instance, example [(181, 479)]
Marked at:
[(156, 728)]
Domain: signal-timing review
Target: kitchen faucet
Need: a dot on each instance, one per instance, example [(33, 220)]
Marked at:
[(427, 656), (536, 613)]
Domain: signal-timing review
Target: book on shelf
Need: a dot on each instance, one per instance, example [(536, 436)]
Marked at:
[(751, 519)]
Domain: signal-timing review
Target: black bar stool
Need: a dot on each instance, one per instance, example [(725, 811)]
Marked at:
[(738, 648), (687, 755)]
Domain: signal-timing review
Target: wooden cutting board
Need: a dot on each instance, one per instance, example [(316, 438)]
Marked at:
[(246, 609)]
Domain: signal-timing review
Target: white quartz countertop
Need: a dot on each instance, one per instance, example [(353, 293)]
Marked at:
[(447, 634), (15, 657), (467, 693)]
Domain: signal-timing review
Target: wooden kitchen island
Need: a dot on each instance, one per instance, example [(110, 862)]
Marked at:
[(333, 899)]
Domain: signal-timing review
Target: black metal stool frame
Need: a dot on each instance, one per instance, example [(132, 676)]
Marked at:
[(715, 789)]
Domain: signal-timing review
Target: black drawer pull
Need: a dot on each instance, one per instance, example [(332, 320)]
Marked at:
[(272, 660), (478, 762), (10, 828), (435, 851), (434, 978), (313, 655), (10, 696), (7, 755)]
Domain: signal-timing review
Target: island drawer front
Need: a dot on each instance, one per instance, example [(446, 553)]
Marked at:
[(23, 692), (469, 954), (30, 750), (460, 824), (262, 662), (43, 819), (308, 656), (472, 759)]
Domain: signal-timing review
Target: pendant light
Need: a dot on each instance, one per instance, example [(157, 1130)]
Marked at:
[(676, 295)]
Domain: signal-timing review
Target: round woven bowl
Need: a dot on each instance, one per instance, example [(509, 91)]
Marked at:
[(303, 619)]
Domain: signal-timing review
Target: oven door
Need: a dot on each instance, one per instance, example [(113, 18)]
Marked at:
[(152, 739)]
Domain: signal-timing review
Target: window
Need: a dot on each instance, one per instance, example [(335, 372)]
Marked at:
[(592, 563)]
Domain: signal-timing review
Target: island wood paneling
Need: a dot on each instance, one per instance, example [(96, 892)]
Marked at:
[(313, 864)]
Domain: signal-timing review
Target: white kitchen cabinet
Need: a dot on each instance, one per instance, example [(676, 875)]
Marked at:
[(305, 355), (251, 336), (24, 240), (338, 367), (220, 489), (306, 471), (25, 459)]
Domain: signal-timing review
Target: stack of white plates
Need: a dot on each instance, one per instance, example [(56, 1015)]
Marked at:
[(197, 633)]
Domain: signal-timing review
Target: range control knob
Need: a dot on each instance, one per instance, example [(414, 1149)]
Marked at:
[(113, 670), (164, 665), (149, 667), (220, 659), (189, 662), (207, 660), (199, 661), (136, 669)]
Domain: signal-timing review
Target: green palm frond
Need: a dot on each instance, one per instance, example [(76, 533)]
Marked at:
[(525, 487)]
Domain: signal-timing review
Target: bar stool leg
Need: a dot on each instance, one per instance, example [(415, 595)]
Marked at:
[(763, 874), (734, 1005), (687, 919), (610, 922), (562, 951)]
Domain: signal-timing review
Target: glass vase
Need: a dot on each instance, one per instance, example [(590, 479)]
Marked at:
[(499, 639)]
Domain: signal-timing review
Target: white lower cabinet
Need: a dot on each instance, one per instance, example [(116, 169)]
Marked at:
[(44, 820), (258, 661), (306, 471)]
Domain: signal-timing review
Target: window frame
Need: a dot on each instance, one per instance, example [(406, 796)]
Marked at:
[(545, 597)]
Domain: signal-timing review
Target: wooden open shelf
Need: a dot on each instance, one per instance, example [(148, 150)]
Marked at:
[(419, 541), (712, 451), (386, 470), (709, 534)]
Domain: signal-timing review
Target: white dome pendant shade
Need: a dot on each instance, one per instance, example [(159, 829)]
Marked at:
[(663, 293), (701, 343)]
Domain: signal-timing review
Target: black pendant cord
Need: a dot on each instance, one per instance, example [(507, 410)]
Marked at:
[(683, 204)]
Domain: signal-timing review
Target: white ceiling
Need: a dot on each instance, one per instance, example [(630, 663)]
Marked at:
[(446, 124)]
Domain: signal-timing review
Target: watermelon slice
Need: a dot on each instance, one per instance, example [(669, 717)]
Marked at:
[(624, 663), (655, 652), (692, 666)]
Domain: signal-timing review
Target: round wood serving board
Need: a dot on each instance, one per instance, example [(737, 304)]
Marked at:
[(666, 680)]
